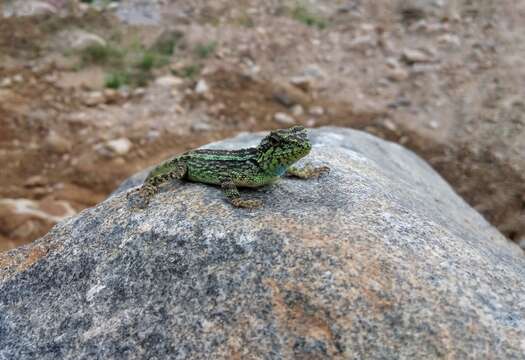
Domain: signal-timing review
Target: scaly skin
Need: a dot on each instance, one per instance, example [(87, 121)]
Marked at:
[(252, 167)]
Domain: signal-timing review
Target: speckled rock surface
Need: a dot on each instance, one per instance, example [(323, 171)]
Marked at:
[(377, 260)]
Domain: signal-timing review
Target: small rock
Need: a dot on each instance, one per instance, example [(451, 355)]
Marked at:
[(302, 82), (18, 78), (310, 122), (112, 6), (94, 98), (169, 81), (316, 111), (390, 125), (81, 40), (36, 180), (26, 219), (314, 71), (297, 110), (138, 92), (433, 124), (111, 95), (397, 74), (201, 125), (31, 8), (58, 143), (152, 135), (449, 39), (288, 95), (6, 82), (283, 118), (119, 146), (412, 56), (363, 42), (202, 87)]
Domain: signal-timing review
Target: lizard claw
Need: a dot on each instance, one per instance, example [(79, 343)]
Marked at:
[(322, 170)]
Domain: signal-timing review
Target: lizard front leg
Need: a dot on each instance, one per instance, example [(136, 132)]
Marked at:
[(231, 192), (307, 172), (141, 196)]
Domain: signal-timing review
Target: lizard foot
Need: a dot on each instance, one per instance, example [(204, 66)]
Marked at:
[(137, 199)]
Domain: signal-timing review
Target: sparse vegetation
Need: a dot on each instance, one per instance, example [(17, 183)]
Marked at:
[(304, 14), (188, 71), (116, 79), (130, 66), (167, 44), (101, 55), (147, 61), (203, 51)]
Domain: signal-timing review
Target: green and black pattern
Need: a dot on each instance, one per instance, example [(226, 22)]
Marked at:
[(253, 167)]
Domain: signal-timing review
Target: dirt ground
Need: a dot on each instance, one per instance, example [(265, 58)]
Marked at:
[(444, 79)]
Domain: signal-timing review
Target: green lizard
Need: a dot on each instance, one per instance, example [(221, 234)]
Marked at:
[(252, 167)]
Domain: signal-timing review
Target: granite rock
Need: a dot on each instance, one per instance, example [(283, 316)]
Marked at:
[(379, 259)]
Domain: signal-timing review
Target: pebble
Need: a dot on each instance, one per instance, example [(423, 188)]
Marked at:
[(415, 56), (310, 122), (314, 71), (169, 81), (390, 125), (119, 146), (363, 42), (36, 180), (94, 98), (111, 95), (6, 82), (297, 110), (201, 126), (283, 118), (302, 82), (152, 135), (449, 39), (433, 124), (58, 143), (201, 87), (397, 74), (316, 111), (31, 8), (81, 40)]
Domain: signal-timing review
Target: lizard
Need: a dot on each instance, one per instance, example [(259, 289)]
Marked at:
[(252, 167)]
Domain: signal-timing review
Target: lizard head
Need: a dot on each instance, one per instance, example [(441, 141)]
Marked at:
[(281, 148)]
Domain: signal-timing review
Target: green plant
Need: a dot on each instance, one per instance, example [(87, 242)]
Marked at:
[(131, 65), (116, 80), (188, 71), (101, 55), (205, 50), (306, 16), (147, 61)]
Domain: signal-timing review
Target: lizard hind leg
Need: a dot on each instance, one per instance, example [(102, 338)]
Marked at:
[(232, 193)]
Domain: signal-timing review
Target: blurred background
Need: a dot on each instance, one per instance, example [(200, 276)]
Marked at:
[(93, 91)]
